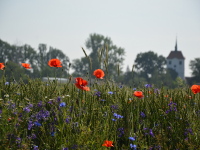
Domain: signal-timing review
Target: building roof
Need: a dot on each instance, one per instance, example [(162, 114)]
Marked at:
[(176, 54)]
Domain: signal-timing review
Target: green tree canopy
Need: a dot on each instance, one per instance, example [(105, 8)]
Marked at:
[(14, 55), (104, 55), (195, 67), (148, 62)]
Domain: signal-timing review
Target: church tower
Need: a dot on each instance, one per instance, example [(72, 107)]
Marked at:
[(176, 61)]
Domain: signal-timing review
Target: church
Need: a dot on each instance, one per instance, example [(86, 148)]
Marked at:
[(176, 61)]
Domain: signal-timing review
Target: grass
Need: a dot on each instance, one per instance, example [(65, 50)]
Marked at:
[(53, 116)]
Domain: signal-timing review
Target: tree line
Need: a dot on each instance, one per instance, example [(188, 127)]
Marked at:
[(148, 67)]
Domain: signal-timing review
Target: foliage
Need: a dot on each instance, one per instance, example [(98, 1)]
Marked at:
[(195, 67), (13, 54), (148, 62), (58, 116), (104, 54)]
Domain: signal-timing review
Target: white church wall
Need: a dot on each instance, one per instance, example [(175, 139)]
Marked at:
[(177, 65)]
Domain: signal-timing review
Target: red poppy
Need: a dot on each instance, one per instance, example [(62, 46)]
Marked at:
[(138, 94), (81, 84), (54, 63), (25, 65), (2, 66), (108, 143), (195, 89), (99, 73)]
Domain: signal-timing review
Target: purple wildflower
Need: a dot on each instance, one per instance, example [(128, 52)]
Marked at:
[(97, 93), (39, 104), (18, 140), (142, 114), (35, 147), (148, 85), (30, 105), (27, 109), (151, 132), (114, 107), (30, 125), (121, 132), (67, 120)]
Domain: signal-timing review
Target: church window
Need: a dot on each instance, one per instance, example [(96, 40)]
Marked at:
[(170, 62), (180, 62), (174, 66)]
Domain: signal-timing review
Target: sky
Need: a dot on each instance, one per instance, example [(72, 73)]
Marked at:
[(138, 26)]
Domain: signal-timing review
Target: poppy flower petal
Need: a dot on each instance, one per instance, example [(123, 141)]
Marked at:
[(195, 89), (99, 73), (2, 66), (138, 94), (54, 63)]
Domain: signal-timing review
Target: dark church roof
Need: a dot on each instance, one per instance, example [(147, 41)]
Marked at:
[(176, 54)]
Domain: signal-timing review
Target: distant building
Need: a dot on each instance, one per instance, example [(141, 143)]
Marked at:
[(176, 61), (60, 80)]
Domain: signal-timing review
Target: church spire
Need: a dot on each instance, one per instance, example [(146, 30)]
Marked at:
[(176, 47)]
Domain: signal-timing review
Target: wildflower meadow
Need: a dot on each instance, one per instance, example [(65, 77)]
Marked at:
[(95, 113)]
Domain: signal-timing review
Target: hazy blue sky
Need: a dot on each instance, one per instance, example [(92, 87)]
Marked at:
[(136, 25)]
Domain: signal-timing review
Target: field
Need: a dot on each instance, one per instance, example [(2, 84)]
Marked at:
[(54, 116)]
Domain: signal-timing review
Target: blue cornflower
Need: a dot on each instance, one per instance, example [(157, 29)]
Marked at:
[(134, 89), (7, 83), (117, 116), (52, 133), (63, 104), (37, 124), (133, 146), (110, 92), (35, 147), (58, 99), (121, 86), (114, 120), (103, 100), (131, 138)]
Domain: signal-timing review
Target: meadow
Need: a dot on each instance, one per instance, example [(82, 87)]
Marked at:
[(97, 115)]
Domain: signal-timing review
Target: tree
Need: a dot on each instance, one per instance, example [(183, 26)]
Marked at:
[(16, 55), (195, 67), (104, 54), (148, 62), (45, 55)]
